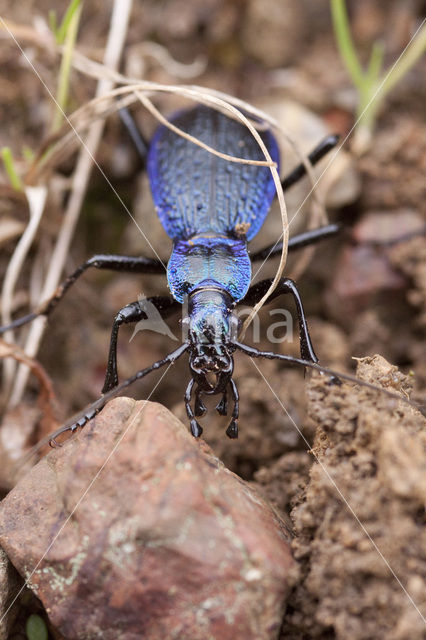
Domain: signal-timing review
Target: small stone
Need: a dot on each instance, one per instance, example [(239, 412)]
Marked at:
[(383, 227), (151, 536), (362, 273), (272, 32)]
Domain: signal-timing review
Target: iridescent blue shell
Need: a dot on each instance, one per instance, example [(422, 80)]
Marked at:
[(210, 207), (194, 191), (222, 262)]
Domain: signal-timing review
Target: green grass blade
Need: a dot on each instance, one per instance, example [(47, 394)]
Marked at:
[(27, 153), (345, 43), (9, 166), (62, 30), (412, 54), (53, 24), (65, 69), (375, 64)]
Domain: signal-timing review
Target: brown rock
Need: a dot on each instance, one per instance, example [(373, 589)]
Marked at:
[(143, 533), (363, 276), (272, 31), (385, 227), (372, 271)]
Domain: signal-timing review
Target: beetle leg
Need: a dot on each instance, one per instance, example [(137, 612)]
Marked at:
[(141, 145), (232, 430), (131, 313), (222, 405), (92, 410), (297, 242), (326, 145), (196, 428), (257, 291), (199, 406), (127, 264)]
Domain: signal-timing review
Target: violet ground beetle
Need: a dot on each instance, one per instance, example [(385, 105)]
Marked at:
[(211, 209)]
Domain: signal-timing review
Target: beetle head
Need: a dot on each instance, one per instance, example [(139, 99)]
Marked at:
[(211, 328)]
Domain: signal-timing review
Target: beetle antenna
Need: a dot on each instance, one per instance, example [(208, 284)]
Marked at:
[(335, 375), (80, 419)]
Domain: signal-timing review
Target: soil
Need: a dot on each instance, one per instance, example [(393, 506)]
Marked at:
[(364, 293)]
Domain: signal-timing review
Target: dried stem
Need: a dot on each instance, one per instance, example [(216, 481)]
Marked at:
[(116, 39)]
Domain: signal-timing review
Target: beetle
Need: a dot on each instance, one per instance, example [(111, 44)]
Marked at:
[(211, 209)]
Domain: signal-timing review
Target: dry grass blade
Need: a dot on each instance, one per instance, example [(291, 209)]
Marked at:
[(46, 398), (116, 39), (150, 107), (36, 197), (159, 53)]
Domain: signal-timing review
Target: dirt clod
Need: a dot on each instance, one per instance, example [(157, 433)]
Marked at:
[(360, 530)]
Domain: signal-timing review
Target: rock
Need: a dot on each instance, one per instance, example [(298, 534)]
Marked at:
[(272, 32), (143, 533), (362, 274), (387, 227), (374, 266), (9, 589)]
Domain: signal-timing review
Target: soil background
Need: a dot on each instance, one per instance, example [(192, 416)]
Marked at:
[(364, 291)]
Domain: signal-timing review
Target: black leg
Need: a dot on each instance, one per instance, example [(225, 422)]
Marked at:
[(232, 430), (326, 145), (271, 355), (309, 237), (257, 291), (222, 405), (138, 140), (335, 376), (297, 242), (196, 428), (199, 406), (127, 264), (99, 404), (131, 313)]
